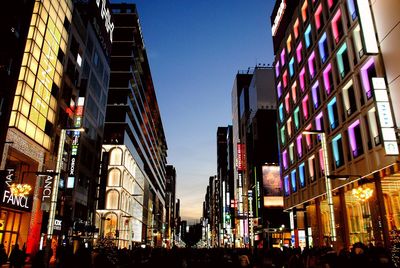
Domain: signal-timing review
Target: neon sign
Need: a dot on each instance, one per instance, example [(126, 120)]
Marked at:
[(106, 15)]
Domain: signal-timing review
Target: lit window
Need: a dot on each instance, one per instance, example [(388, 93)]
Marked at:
[(277, 69), (279, 89), (355, 139), (283, 137), (281, 113), (305, 107), (289, 43), (302, 79), (299, 53), (337, 27), (296, 117), (311, 65), (307, 36), (330, 3), (302, 175), (319, 122), (321, 161), (114, 177), (79, 60), (328, 79), (284, 159), (352, 9), (287, 185), (289, 126), (343, 61), (315, 94), (285, 79), (116, 157), (283, 55), (308, 136), (323, 48), (294, 92), (317, 16), (299, 146), (291, 67), (333, 113), (287, 103), (112, 199), (291, 153), (349, 99), (337, 150), (367, 72), (293, 180), (304, 13), (311, 168), (296, 28)]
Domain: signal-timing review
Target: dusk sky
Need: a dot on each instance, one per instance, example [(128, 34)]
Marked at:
[(195, 49)]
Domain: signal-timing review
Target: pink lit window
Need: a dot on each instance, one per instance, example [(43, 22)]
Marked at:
[(287, 103), (330, 3), (302, 79), (283, 54), (285, 79), (305, 107), (294, 92), (296, 29), (328, 78), (304, 11), (317, 16), (308, 137), (311, 64), (298, 53), (299, 146), (337, 26), (321, 161)]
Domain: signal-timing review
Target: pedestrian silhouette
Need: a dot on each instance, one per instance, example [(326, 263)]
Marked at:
[(3, 255), (16, 257)]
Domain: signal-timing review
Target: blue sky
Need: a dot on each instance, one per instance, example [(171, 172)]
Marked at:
[(195, 49)]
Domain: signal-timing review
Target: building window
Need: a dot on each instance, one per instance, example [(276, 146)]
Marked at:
[(305, 107), (302, 175), (367, 72), (293, 180), (317, 17), (281, 113), (277, 69), (307, 36), (279, 89), (331, 4), (355, 139), (357, 43), (112, 199), (291, 153), (284, 159), (308, 137), (289, 127), (286, 183), (337, 26), (287, 103), (316, 96), (323, 48), (311, 65), (337, 150), (321, 161), (328, 79), (296, 118), (299, 53), (373, 126), (294, 92), (343, 61), (283, 55), (289, 44), (333, 114), (352, 9), (304, 13), (114, 177), (291, 67), (311, 168), (349, 99), (296, 28), (319, 122), (302, 79), (299, 145), (116, 157), (285, 79), (283, 135)]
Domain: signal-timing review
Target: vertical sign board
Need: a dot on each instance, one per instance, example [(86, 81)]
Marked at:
[(385, 116), (47, 191), (75, 142), (272, 186)]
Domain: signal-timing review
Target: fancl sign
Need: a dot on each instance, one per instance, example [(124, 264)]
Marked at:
[(278, 17), (106, 16), (47, 191), (8, 199)]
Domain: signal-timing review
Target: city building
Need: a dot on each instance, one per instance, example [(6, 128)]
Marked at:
[(133, 179), (170, 206), (336, 69)]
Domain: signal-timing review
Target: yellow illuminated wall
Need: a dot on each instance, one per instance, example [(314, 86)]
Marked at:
[(33, 103)]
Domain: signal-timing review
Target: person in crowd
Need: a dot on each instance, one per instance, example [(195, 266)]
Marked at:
[(17, 257)]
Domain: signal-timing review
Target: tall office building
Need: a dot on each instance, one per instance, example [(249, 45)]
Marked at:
[(170, 206), (133, 179), (336, 75)]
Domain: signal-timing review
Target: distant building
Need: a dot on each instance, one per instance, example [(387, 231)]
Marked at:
[(170, 206)]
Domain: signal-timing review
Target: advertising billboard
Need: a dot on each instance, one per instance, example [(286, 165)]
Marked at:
[(272, 186)]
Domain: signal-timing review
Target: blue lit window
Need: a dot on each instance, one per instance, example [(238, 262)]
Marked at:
[(323, 48), (302, 175), (352, 9), (281, 113), (293, 180), (333, 113), (307, 36), (291, 67), (337, 150), (287, 185)]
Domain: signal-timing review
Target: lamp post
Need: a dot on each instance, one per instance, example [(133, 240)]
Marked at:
[(328, 184), (54, 193)]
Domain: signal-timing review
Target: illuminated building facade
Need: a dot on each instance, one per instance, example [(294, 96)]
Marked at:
[(133, 127), (335, 74)]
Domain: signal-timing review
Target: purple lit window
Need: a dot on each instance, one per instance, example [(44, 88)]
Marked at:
[(284, 159), (355, 138), (311, 64), (367, 72), (298, 53), (319, 121), (277, 69), (302, 79), (283, 54), (279, 89), (299, 146), (315, 94)]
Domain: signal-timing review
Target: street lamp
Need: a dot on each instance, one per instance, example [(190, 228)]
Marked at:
[(328, 184), (53, 201)]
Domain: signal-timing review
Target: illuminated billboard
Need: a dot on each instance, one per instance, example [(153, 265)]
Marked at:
[(272, 186)]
